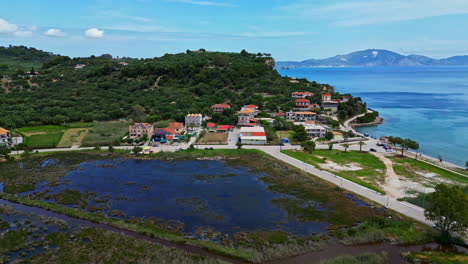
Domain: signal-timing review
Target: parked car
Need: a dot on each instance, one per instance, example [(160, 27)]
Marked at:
[(156, 145), (372, 150)]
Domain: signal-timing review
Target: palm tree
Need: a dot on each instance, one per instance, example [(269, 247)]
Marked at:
[(360, 145), (345, 146)]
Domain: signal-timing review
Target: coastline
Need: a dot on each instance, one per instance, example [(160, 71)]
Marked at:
[(377, 121)]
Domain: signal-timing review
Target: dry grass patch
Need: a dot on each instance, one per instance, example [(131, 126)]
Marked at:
[(214, 138), (73, 137)]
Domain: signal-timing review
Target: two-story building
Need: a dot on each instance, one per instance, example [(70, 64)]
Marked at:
[(193, 121), (315, 130), (301, 116), (250, 107), (301, 95), (245, 117), (326, 97), (163, 135), (138, 130), (302, 104), (5, 137), (220, 107)]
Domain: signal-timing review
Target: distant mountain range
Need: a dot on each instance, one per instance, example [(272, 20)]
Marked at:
[(375, 58)]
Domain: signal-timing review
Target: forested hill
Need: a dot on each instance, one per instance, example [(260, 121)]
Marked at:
[(161, 88), (15, 59)]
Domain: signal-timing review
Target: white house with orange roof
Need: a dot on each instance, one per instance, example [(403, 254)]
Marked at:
[(245, 117), (302, 104), (301, 95), (5, 137), (326, 97), (138, 130), (176, 126), (253, 135), (220, 107)]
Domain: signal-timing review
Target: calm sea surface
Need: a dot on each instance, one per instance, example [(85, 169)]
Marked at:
[(427, 104)]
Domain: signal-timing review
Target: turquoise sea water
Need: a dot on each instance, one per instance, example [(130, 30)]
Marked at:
[(427, 104)]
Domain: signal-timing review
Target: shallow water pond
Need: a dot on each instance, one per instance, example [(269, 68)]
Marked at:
[(201, 193)]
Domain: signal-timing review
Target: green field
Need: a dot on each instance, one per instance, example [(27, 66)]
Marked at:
[(42, 136), (372, 172), (105, 133)]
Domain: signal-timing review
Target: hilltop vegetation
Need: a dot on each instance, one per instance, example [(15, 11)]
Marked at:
[(15, 59), (155, 89)]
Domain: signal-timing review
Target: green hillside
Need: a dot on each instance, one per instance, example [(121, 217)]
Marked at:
[(15, 59), (167, 87)]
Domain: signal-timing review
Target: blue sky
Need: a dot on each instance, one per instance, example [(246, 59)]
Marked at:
[(290, 30)]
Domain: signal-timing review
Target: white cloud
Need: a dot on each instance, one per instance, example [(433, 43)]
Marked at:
[(366, 12), (7, 27), (23, 33), (94, 33), (202, 3), (53, 32)]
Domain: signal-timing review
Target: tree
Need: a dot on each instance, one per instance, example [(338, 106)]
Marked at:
[(448, 209), (329, 135), (136, 150), (345, 146), (360, 145), (137, 113), (308, 146), (5, 152), (300, 134), (411, 144), (466, 165), (330, 146)]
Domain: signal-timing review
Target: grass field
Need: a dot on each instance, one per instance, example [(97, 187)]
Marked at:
[(435, 257), (408, 167), (105, 133), (42, 136), (214, 138), (371, 173)]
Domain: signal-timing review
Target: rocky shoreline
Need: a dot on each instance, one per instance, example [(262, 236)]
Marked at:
[(377, 121)]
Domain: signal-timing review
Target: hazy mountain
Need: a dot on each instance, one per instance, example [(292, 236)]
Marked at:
[(374, 58)]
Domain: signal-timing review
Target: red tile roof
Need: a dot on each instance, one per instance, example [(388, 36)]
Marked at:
[(326, 94), (171, 131), (3, 131), (302, 101), (258, 134), (250, 106), (175, 125), (210, 125), (220, 106), (224, 127), (279, 114)]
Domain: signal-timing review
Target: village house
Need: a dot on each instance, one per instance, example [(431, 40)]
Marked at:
[(138, 130), (302, 104), (79, 66), (176, 126), (301, 116), (211, 127), (163, 135), (345, 99), (123, 63), (5, 137), (250, 107), (193, 121), (301, 95), (246, 117), (220, 107), (253, 136), (337, 135), (282, 115), (315, 130), (326, 97), (333, 105)]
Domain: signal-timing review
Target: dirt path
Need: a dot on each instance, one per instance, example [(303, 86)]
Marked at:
[(73, 137), (393, 186)]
